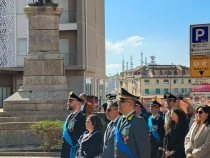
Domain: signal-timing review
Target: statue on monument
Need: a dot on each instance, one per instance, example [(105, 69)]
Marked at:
[(43, 3)]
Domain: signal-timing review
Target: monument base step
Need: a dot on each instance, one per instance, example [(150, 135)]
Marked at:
[(64, 113), (31, 119)]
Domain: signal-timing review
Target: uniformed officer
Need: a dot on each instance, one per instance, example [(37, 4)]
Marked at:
[(110, 97), (138, 110), (157, 132), (131, 132), (170, 102), (74, 127)]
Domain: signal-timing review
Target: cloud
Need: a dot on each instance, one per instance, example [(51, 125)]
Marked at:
[(119, 46), (113, 66)]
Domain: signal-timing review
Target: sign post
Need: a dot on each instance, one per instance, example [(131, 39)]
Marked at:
[(200, 63)]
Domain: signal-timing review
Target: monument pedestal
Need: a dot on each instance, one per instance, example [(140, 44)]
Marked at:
[(44, 92)]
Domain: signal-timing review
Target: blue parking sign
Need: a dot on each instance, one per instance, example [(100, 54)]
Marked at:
[(200, 34)]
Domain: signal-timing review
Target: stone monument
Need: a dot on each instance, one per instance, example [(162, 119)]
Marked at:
[(44, 91)]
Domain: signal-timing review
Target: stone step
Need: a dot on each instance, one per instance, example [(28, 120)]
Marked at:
[(64, 113), (36, 106), (31, 119), (29, 154), (15, 125)]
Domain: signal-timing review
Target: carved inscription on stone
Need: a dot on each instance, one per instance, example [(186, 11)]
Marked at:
[(43, 40), (46, 22)]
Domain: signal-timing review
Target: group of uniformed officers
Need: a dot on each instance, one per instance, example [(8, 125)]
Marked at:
[(129, 134)]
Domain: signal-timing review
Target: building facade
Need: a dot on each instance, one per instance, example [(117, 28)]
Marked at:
[(155, 80), (82, 44), (112, 84)]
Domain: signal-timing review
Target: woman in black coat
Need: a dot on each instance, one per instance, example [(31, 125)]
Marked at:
[(90, 142), (176, 129)]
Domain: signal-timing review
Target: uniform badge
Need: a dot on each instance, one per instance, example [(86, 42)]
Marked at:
[(125, 133), (154, 127), (70, 125)]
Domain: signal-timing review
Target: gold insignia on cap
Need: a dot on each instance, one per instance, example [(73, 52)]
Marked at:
[(108, 96), (70, 93), (153, 100), (167, 95)]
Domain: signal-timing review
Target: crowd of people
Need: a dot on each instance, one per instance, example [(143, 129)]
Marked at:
[(132, 132)]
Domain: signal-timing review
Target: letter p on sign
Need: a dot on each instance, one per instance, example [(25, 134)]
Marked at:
[(200, 34)]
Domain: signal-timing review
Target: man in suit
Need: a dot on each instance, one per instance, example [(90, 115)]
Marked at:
[(74, 127), (138, 109), (157, 132), (131, 132), (191, 110), (112, 114), (170, 102), (86, 107)]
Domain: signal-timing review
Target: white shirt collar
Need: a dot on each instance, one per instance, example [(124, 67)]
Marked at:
[(154, 117), (128, 114), (82, 107), (74, 112), (115, 119)]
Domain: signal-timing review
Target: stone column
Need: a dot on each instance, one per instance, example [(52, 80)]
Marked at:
[(44, 65)]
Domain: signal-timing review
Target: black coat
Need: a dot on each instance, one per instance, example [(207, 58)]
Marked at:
[(174, 140), (79, 128), (90, 145), (158, 126), (145, 117)]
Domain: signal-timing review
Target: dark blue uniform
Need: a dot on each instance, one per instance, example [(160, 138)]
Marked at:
[(158, 126)]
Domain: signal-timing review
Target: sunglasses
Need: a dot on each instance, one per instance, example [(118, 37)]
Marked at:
[(109, 110), (199, 112)]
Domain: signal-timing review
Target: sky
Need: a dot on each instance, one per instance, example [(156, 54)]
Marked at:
[(159, 28)]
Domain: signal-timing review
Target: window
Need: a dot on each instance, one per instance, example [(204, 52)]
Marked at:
[(145, 74), (64, 50), (165, 82), (147, 91), (176, 81), (185, 90), (172, 72), (182, 81), (179, 72), (146, 81), (189, 81), (157, 91), (4, 93), (166, 90), (182, 90), (157, 81), (175, 91), (121, 83), (187, 72), (88, 86), (165, 72)]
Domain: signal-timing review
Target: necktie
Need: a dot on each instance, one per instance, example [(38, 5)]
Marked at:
[(123, 119), (109, 129)]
